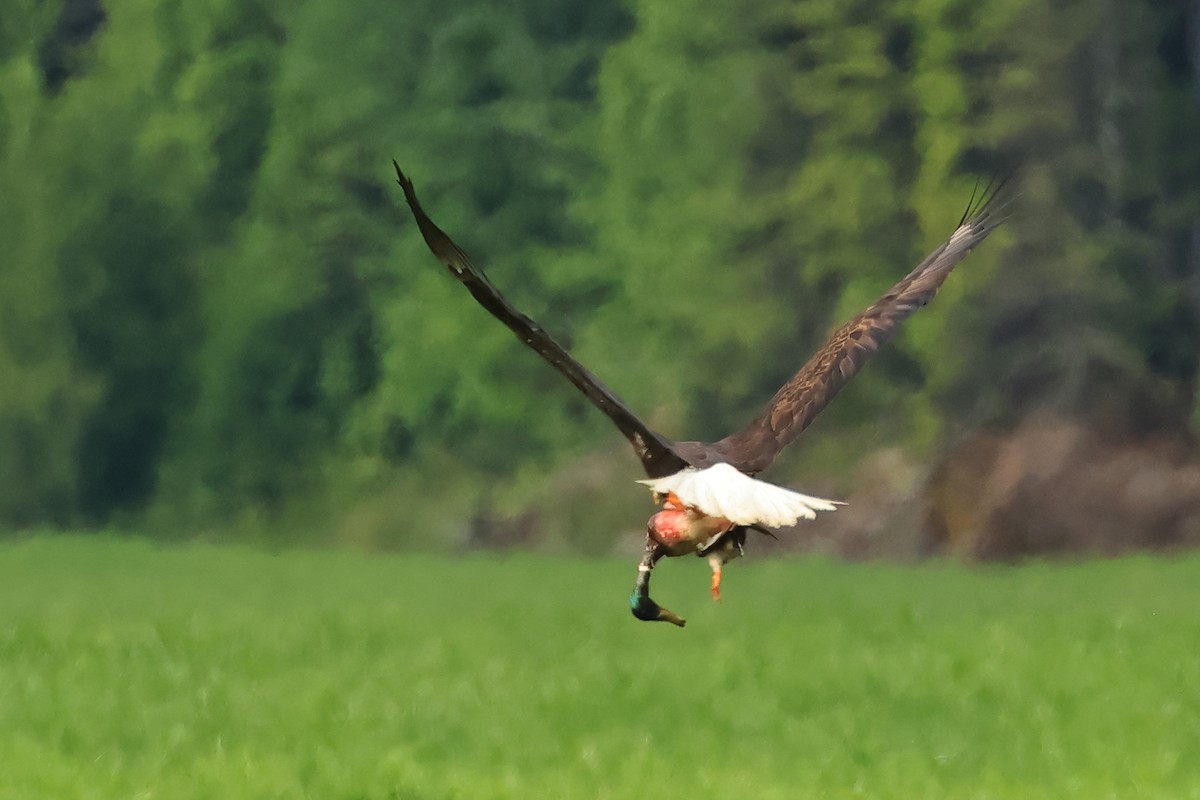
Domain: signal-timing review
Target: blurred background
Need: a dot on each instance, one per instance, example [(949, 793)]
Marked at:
[(218, 320)]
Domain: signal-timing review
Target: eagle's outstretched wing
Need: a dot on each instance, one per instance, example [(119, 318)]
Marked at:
[(799, 401), (657, 454)]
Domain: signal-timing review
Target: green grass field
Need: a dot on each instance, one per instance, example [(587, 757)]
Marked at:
[(133, 671)]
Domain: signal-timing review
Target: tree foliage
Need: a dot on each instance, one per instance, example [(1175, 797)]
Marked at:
[(213, 309)]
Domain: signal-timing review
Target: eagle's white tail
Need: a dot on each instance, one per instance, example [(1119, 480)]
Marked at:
[(723, 491)]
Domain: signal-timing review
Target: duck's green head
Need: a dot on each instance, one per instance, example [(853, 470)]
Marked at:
[(647, 610)]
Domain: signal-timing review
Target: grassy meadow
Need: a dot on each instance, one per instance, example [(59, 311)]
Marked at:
[(129, 670)]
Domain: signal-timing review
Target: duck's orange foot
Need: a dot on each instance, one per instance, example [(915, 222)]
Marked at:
[(715, 588)]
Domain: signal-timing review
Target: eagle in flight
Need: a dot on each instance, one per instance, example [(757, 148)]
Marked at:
[(708, 491)]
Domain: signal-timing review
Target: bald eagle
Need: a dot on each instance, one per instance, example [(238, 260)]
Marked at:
[(708, 491)]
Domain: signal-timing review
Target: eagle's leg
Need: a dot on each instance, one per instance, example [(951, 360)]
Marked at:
[(639, 602)]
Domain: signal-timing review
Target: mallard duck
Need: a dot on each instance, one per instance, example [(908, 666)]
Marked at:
[(709, 495)]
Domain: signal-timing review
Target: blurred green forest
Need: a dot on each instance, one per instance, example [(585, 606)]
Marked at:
[(216, 315)]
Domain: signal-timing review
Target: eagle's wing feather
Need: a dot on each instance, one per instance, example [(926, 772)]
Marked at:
[(657, 454), (799, 401)]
